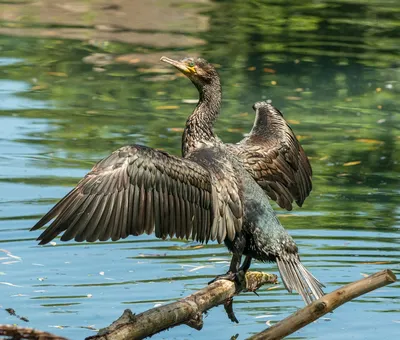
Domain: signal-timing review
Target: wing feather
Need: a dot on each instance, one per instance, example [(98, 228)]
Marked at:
[(115, 217), (149, 220), (93, 230), (107, 225), (272, 154), (138, 189), (76, 217), (88, 215), (157, 213), (135, 211)]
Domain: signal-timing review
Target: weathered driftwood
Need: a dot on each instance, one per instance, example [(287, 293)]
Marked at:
[(325, 305), (14, 332), (187, 311)]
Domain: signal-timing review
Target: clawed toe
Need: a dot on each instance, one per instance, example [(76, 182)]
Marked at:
[(228, 276), (237, 277)]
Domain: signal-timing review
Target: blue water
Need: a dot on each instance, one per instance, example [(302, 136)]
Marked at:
[(343, 105)]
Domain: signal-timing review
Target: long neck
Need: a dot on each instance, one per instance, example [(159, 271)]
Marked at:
[(260, 124), (199, 125)]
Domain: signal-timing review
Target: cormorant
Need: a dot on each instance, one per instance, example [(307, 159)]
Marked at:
[(214, 192)]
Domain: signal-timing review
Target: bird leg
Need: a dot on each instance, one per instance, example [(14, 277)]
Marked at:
[(246, 264), (235, 272)]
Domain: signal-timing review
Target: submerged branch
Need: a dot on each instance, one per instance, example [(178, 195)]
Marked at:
[(325, 305), (187, 311)]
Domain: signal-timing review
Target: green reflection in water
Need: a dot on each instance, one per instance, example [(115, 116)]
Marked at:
[(332, 67)]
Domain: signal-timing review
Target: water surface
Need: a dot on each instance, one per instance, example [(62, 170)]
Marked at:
[(78, 81)]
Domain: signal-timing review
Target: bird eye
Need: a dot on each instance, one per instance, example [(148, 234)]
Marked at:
[(191, 64)]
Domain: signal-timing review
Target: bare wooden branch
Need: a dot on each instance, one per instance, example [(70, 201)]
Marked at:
[(15, 332), (187, 311), (325, 305)]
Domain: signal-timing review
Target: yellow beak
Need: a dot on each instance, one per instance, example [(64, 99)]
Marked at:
[(181, 66)]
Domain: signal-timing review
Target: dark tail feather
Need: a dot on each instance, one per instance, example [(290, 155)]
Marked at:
[(296, 277)]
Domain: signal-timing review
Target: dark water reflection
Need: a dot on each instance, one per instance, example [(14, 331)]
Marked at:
[(74, 87)]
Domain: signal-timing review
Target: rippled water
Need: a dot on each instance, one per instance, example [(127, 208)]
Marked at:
[(79, 81)]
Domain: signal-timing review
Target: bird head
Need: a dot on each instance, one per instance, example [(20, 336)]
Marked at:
[(199, 71)]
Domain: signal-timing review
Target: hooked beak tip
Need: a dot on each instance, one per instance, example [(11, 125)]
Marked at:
[(181, 66)]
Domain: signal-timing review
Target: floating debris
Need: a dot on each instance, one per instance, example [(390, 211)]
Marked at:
[(269, 70), (352, 163), (12, 312), (176, 129), (167, 107), (370, 141), (90, 327)]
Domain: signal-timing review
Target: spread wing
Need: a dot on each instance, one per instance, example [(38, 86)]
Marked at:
[(275, 158), (135, 190)]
